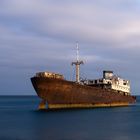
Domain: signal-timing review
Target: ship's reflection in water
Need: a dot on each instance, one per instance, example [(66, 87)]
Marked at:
[(20, 120)]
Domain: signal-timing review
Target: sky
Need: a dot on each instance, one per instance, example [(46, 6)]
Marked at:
[(41, 35)]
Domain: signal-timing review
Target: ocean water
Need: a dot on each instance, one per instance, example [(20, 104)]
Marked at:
[(20, 120)]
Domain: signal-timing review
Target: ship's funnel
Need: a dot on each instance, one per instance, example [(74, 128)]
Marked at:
[(107, 74)]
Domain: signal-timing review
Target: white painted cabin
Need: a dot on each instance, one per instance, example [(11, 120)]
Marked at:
[(110, 81)]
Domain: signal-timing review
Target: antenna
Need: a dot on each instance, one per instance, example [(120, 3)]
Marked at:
[(77, 54), (77, 64)]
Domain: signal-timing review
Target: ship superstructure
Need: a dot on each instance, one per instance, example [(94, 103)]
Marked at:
[(110, 81)]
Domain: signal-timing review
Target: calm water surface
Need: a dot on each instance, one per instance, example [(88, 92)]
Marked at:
[(20, 120)]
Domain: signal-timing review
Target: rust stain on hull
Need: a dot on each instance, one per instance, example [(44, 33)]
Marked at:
[(60, 93)]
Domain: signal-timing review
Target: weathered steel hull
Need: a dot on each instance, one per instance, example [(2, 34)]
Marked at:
[(66, 94)]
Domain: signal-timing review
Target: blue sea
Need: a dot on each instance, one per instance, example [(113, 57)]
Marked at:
[(21, 120)]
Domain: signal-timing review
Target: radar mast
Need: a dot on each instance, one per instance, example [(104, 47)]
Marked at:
[(77, 64)]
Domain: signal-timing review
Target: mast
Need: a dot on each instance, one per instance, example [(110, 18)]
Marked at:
[(77, 64)]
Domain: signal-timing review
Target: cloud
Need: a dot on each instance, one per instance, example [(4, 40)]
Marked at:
[(85, 21)]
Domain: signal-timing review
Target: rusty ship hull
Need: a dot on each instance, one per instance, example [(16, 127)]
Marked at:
[(59, 93)]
